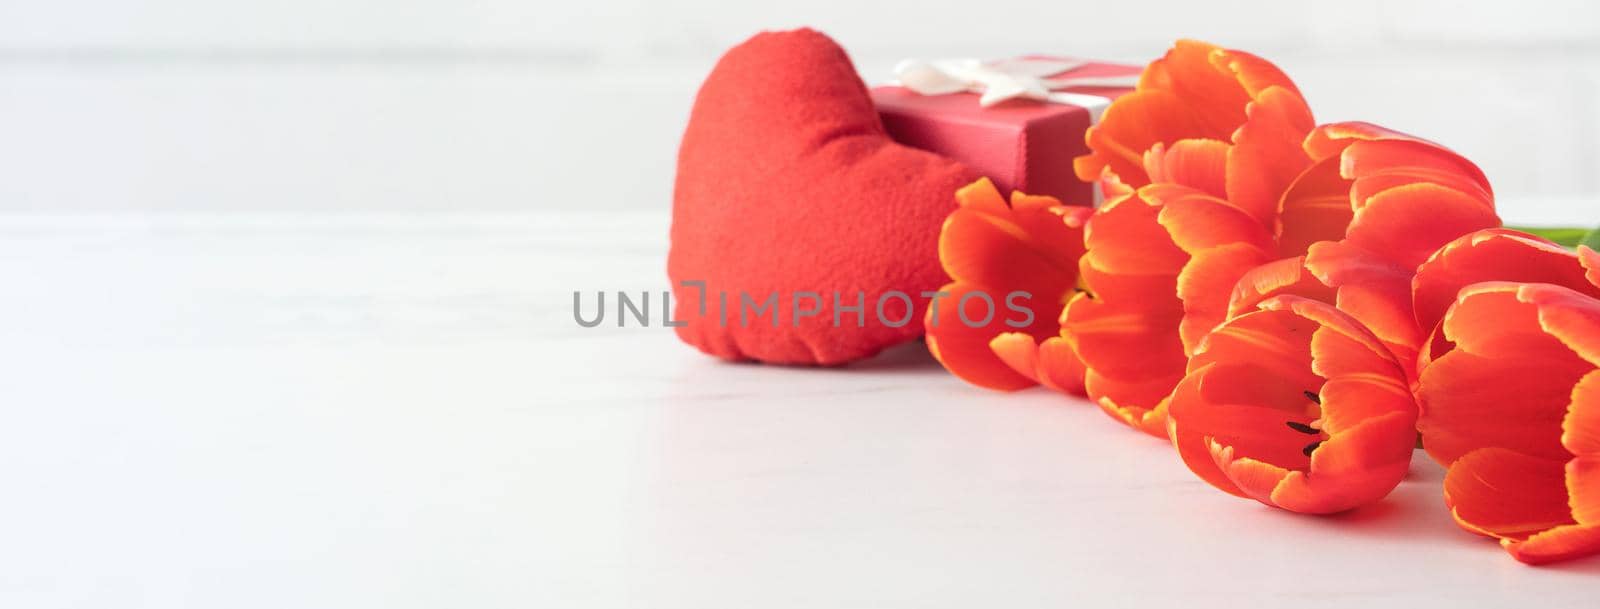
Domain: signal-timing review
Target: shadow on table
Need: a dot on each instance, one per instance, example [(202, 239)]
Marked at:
[(1415, 511), (912, 356)]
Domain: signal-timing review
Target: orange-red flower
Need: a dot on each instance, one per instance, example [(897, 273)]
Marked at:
[(1199, 91), (1369, 206), (1286, 277), (1003, 258), (1200, 154), (1295, 405), (1512, 406), (1223, 194), (1496, 254), (1407, 198), (1158, 268), (1374, 206)]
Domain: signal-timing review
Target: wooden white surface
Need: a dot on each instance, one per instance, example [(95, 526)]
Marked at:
[(399, 411)]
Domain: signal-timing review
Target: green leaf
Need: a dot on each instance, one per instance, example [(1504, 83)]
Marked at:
[(1592, 240), (1566, 236)]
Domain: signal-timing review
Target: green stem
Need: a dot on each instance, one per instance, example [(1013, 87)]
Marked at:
[(1564, 235)]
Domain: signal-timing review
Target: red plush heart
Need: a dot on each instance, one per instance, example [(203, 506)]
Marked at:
[(789, 185)]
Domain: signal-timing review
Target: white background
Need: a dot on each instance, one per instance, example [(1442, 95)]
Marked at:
[(321, 352), (506, 105)]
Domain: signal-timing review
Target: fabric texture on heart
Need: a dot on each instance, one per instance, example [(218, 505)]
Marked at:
[(815, 235)]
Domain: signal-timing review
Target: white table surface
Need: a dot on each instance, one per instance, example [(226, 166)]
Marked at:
[(398, 411)]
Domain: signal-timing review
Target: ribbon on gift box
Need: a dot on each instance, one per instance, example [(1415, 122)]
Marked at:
[(999, 81)]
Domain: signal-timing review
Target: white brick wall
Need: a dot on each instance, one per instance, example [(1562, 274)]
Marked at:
[(509, 104)]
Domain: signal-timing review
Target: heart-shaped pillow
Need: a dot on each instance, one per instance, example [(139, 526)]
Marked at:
[(800, 233)]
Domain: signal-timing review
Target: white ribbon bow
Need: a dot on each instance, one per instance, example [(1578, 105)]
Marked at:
[(1008, 79)]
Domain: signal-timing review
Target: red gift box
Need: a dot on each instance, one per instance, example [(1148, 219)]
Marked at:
[(1021, 144)]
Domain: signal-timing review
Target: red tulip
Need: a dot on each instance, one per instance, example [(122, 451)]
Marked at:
[(1487, 255), (1408, 198), (1295, 405), (1511, 404), (1195, 161), (1002, 258)]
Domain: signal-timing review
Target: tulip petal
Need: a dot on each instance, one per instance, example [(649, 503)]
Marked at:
[(1051, 363), (1279, 277), (1280, 341), (1152, 421), (1557, 544), (1131, 399), (1194, 221), (1056, 230), (1363, 398), (1253, 389), (1015, 265), (1208, 140), (1583, 488), (1206, 283), (1196, 73), (1266, 156), (1338, 263), (1580, 429), (1133, 124), (1242, 406), (983, 197), (987, 248), (1315, 207), (1504, 493), (1255, 74), (1195, 447), (1409, 197), (1373, 290), (1491, 255), (1471, 401), (1255, 417), (1352, 468), (1406, 224), (1378, 166), (963, 348), (1414, 156), (1060, 367), (1384, 309), (1130, 343), (1144, 292), (1572, 317), (1433, 346), (1111, 186), (1125, 237), (1018, 351), (1495, 318), (1223, 244), (1591, 264), (1341, 348), (1123, 326), (1254, 479), (1195, 91), (1196, 163)]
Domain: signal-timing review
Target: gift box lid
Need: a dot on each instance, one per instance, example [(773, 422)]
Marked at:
[(1021, 144)]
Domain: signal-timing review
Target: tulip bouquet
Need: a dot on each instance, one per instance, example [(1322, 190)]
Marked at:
[(1291, 304)]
